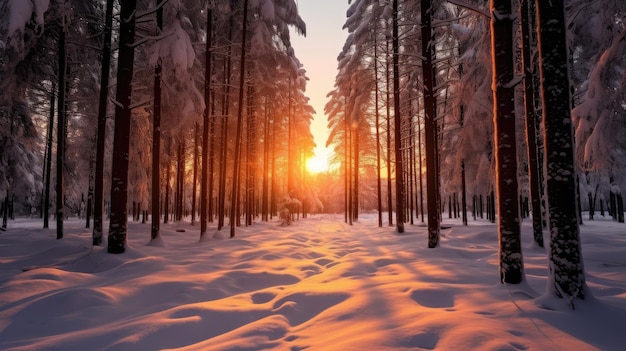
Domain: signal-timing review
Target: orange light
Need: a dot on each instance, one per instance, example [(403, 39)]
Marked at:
[(317, 164)]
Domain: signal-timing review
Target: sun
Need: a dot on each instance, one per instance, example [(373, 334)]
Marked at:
[(317, 164)]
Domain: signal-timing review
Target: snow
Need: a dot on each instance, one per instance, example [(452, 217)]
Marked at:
[(318, 284), (21, 12)]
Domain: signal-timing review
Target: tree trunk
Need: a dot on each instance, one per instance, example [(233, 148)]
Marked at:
[(61, 106), (355, 192), (225, 111), (379, 202), (620, 208), (250, 157), (509, 231), (155, 227), (236, 170), (430, 125), (180, 180), (207, 125), (567, 276), (121, 138), (211, 175), (196, 141), (89, 208), (266, 157), (168, 175), (397, 122), (46, 201), (102, 124), (388, 112)]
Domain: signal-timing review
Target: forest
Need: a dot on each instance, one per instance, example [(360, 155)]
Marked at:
[(197, 111)]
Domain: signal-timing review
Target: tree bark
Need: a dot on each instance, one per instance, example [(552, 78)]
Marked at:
[(236, 170), (430, 126), (397, 122), (156, 141), (194, 188), (266, 157), (388, 112), (379, 201), (121, 138), (102, 121), (531, 131), (509, 232), (46, 201), (567, 276), (61, 106), (206, 126)]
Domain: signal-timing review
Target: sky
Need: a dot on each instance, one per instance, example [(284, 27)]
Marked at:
[(318, 53), (318, 284)]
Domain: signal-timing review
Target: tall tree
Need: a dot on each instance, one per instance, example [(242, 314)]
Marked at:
[(236, 169), (46, 201), (397, 121), (511, 264), (567, 276), (119, 173), (204, 182), (155, 227), (102, 118), (61, 117), (430, 125), (527, 7)]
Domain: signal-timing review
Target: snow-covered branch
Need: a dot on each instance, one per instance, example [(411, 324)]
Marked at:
[(469, 7)]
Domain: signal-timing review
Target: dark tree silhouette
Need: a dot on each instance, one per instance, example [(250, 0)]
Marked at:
[(121, 142), (567, 276), (511, 264)]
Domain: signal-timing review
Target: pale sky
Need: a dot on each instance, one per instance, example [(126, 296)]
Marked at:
[(318, 53)]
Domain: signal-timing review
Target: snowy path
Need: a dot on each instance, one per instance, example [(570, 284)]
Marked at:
[(319, 284)]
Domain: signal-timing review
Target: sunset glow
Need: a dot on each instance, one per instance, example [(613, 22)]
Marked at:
[(317, 164)]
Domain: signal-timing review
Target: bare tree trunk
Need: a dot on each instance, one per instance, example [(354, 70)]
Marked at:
[(121, 138), (236, 170), (61, 106), (206, 194), (355, 192), (212, 140), (89, 208), (46, 201), (273, 208), (5, 211), (379, 201), (102, 120), (266, 156), (251, 157), (531, 132), (224, 149), (567, 276), (397, 122), (180, 179), (505, 145), (196, 142), (430, 126), (388, 111), (419, 145), (156, 142), (168, 175)]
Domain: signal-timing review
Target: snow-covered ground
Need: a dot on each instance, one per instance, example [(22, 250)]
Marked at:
[(318, 284)]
